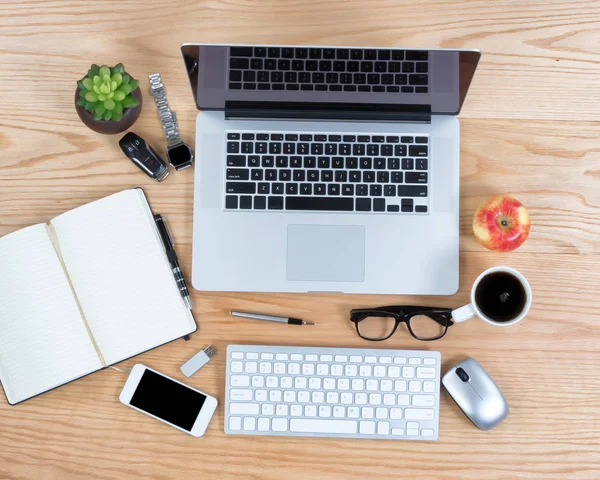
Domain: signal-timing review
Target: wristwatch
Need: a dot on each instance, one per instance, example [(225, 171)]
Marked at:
[(178, 153)]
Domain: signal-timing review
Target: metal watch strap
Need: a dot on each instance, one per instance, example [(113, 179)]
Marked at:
[(168, 119)]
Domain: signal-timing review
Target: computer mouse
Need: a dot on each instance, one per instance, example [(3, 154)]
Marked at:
[(476, 394)]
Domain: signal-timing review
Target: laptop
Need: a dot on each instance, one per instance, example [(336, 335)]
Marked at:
[(327, 169)]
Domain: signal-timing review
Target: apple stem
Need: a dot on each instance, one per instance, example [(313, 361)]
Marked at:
[(504, 223)]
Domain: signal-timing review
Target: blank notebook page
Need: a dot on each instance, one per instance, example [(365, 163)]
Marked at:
[(121, 275), (43, 340)]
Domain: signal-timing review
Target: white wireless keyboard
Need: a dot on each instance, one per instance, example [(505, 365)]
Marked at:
[(332, 392)]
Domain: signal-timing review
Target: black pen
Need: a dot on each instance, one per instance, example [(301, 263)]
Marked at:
[(167, 241)]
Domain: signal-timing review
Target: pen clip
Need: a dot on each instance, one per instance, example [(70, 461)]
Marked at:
[(160, 218)]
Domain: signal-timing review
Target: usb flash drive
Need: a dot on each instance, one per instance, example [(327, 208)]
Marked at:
[(197, 361)]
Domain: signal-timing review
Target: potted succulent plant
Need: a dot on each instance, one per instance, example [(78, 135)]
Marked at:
[(108, 100)]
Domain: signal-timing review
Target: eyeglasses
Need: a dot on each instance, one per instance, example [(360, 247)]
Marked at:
[(424, 323)]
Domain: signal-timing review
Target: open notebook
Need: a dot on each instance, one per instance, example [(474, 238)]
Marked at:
[(89, 289)]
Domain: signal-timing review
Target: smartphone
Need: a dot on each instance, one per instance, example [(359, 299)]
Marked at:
[(168, 400)]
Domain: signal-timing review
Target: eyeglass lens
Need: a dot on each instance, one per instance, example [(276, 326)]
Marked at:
[(376, 328), (425, 327)]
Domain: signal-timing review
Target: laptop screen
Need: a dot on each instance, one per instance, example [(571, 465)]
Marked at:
[(392, 80)]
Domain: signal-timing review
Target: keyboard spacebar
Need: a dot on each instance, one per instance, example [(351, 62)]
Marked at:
[(320, 203), (323, 426)]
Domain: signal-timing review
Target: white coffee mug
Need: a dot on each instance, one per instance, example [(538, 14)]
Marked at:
[(472, 309)]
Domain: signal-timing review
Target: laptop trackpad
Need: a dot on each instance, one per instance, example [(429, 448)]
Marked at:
[(326, 253)]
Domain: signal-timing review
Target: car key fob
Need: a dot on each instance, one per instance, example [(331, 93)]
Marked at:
[(144, 156)]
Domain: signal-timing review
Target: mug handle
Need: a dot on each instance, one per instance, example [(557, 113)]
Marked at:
[(463, 313)]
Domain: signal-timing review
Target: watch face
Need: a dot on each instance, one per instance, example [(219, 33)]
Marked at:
[(180, 155)]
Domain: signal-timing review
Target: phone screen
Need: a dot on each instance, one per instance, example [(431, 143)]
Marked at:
[(167, 400)]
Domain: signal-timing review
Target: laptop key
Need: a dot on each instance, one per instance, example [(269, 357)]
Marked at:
[(239, 63), (421, 208), (240, 51), (379, 205), (231, 201), (421, 164), (412, 191), (393, 208), (240, 187), (408, 164), (363, 204), (415, 177), (417, 55), (393, 164), (417, 150), (275, 203), (362, 190), (264, 188), (406, 205), (246, 202), (336, 204), (306, 189), (278, 188), (233, 147), (260, 202), (236, 160), (237, 174)]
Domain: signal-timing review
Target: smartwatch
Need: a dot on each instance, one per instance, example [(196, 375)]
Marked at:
[(180, 156)]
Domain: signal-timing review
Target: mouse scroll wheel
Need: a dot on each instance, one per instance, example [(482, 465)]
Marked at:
[(462, 374)]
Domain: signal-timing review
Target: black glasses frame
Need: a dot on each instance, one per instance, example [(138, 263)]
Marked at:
[(403, 314)]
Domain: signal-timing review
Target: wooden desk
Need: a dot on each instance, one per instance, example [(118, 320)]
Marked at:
[(530, 127)]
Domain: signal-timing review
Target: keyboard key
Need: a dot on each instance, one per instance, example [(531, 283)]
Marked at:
[(320, 204), (235, 423), (368, 176), (239, 63), (397, 177), (243, 408), (419, 414), (275, 203), (240, 187), (412, 191), (362, 204), (379, 204), (367, 428), (421, 163), (417, 55), (279, 424), (423, 400), (323, 426), (231, 202), (375, 191), (246, 204), (415, 177), (417, 150), (260, 51), (393, 208)]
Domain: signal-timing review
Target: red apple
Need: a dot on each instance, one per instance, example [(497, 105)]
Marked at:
[(501, 224)]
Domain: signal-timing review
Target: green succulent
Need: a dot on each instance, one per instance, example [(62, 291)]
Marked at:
[(106, 92)]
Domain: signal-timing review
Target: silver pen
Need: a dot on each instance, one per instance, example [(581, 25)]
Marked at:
[(272, 318)]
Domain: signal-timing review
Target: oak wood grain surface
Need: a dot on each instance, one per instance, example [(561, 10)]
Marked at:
[(530, 127)]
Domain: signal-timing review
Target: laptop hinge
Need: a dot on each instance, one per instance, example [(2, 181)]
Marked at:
[(319, 111)]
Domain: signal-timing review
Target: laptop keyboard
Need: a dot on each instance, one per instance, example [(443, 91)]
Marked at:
[(327, 172), (328, 69)]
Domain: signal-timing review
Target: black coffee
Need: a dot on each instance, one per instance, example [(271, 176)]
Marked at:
[(500, 296)]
